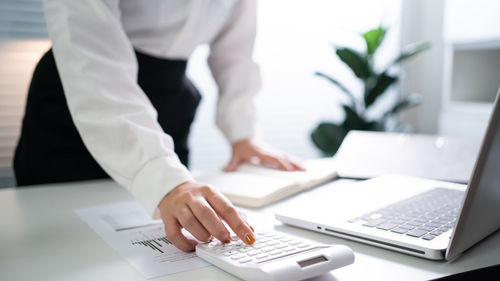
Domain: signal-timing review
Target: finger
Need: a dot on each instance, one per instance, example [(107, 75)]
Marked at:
[(298, 166), (188, 220), (288, 166), (226, 210), (243, 216), (294, 165), (174, 235), (269, 161), (233, 164), (276, 162), (209, 219)]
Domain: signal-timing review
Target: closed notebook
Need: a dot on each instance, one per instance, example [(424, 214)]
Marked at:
[(256, 186), (364, 155)]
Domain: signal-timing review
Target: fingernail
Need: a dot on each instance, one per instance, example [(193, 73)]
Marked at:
[(249, 238), (211, 238)]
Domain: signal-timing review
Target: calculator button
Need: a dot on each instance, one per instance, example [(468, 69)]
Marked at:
[(245, 260), (275, 252), (273, 242), (302, 245), (289, 249), (281, 246), (261, 256), (259, 245), (228, 253), (238, 256), (264, 239), (286, 239), (267, 249), (295, 242), (254, 252)]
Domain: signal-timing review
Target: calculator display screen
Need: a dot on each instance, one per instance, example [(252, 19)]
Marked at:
[(312, 261)]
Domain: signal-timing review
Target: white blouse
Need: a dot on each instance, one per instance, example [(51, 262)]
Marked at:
[(93, 43)]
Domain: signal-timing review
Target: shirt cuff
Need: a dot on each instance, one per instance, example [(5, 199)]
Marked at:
[(237, 118), (156, 179), (239, 129)]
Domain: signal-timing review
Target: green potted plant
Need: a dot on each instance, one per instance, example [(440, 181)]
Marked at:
[(328, 136)]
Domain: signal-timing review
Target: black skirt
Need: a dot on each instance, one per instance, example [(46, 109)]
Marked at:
[(50, 148)]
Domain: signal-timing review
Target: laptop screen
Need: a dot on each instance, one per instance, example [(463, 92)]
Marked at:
[(480, 213)]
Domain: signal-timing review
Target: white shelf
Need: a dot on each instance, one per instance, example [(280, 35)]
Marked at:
[(471, 66), (475, 74), (482, 44), (471, 82), (470, 87)]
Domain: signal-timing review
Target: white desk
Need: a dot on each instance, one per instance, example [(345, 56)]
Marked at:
[(41, 238)]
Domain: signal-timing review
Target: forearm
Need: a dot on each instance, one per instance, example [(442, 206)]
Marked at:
[(115, 119)]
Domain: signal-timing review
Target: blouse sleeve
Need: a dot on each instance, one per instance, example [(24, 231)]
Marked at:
[(117, 122), (236, 73)]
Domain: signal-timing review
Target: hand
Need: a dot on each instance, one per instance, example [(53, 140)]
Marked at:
[(199, 209), (250, 151)]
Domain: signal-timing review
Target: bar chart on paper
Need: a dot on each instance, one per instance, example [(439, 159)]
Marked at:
[(128, 229), (155, 242)]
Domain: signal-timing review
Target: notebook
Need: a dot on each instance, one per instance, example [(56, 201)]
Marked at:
[(257, 186), (365, 155), (422, 217)]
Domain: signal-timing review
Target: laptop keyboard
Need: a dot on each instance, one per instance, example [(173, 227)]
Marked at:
[(425, 215)]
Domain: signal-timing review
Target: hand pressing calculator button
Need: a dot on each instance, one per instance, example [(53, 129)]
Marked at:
[(275, 256)]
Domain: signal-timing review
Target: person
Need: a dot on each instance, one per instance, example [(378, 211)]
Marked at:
[(111, 98)]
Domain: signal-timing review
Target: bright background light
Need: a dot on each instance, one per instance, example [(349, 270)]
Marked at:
[(294, 40)]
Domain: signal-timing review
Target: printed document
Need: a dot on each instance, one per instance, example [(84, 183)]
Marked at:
[(128, 229)]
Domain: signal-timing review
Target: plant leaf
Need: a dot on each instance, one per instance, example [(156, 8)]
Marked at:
[(383, 82), (357, 62), (328, 137), (411, 50), (409, 101), (352, 119), (373, 39), (375, 126), (340, 85)]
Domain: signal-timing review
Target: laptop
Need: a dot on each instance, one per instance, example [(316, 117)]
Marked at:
[(422, 217)]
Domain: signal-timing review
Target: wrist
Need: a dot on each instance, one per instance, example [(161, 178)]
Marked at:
[(243, 142), (175, 189)]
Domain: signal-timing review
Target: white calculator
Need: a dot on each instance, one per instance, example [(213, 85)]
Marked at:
[(275, 256)]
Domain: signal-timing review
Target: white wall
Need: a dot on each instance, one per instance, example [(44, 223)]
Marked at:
[(294, 40), (472, 20), (422, 20), (452, 25), (472, 66)]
